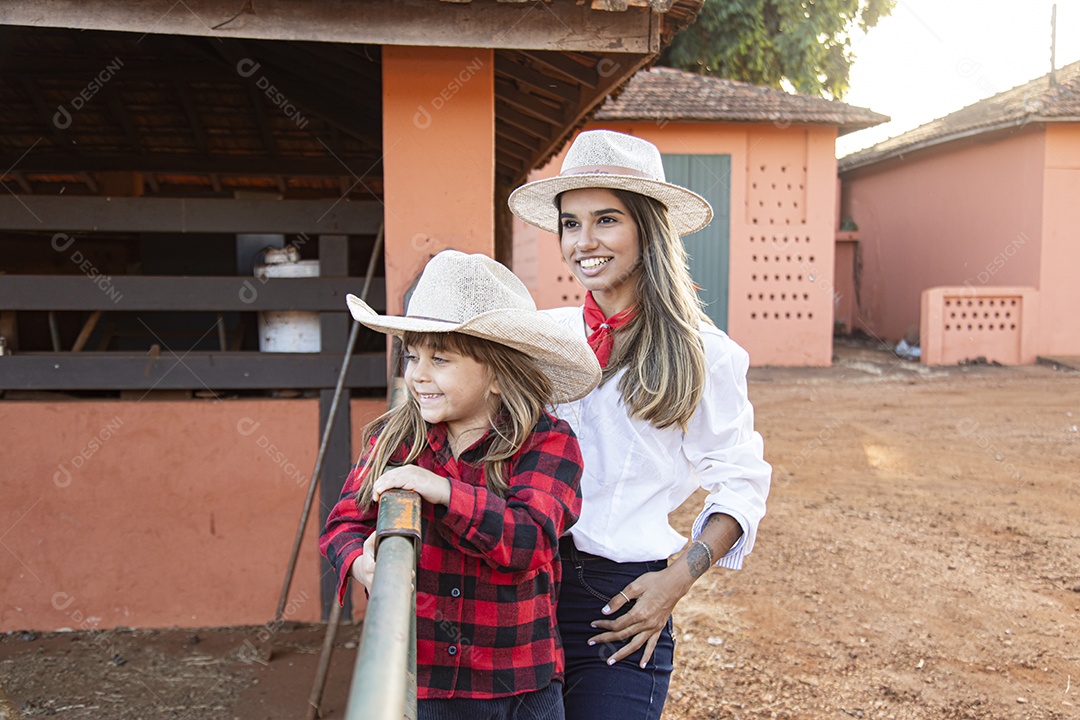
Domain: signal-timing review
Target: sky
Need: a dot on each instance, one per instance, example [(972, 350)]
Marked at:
[(932, 57)]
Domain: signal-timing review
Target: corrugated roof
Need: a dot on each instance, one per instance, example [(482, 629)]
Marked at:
[(672, 95), (1036, 101)]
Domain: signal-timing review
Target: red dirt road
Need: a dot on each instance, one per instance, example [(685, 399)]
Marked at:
[(920, 559)]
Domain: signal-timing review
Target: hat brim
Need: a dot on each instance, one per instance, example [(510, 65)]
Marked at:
[(535, 202), (568, 362)]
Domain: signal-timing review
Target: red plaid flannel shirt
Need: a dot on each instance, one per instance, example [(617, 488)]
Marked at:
[(488, 578)]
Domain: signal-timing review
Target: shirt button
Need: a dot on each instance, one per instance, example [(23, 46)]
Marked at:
[(452, 650), (455, 593)]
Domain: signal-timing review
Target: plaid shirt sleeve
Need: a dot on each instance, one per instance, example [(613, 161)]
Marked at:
[(342, 540), (521, 531)]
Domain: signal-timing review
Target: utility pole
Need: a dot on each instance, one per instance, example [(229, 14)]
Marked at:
[(1053, 45)]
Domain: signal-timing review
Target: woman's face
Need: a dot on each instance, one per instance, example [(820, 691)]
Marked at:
[(600, 244)]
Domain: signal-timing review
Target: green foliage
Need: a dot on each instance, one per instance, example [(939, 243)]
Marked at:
[(806, 42)]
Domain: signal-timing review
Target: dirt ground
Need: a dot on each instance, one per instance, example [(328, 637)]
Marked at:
[(920, 559)]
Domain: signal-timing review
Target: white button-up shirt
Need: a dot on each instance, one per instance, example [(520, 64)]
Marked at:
[(636, 474)]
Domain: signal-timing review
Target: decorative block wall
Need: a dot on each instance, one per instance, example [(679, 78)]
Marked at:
[(966, 323)]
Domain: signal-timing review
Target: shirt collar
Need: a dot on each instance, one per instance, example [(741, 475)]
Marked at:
[(439, 441)]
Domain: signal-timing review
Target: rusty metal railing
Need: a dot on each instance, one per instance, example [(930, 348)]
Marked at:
[(384, 677)]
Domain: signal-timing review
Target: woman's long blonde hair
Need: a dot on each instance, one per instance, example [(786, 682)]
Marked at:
[(524, 392), (661, 347)]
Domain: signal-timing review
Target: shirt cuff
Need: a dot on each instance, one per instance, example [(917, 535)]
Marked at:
[(460, 509), (346, 572), (733, 558)]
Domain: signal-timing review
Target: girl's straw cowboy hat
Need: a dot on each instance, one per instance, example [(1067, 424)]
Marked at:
[(606, 159), (474, 295)]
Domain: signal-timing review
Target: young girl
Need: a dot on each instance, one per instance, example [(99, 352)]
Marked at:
[(671, 415), (499, 477)]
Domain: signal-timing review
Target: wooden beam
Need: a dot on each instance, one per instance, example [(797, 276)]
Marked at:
[(529, 104), (614, 71), (334, 331), (570, 69), (508, 174), (564, 25), (65, 162), (334, 110), (257, 109), (187, 215), (557, 90), (26, 188), (94, 291), (514, 146), (188, 371), (193, 117), (506, 114), (48, 119)]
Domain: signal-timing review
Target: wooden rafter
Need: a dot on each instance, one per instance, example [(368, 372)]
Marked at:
[(267, 135), (545, 85), (91, 184), (46, 116), (566, 66), (529, 104), (327, 105), (194, 120), (521, 121)]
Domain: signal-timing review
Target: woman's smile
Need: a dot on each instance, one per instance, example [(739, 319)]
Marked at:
[(591, 264)]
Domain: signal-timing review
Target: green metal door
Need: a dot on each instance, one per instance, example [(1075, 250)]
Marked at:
[(710, 177)]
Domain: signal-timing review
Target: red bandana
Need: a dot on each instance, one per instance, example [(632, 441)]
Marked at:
[(601, 328)]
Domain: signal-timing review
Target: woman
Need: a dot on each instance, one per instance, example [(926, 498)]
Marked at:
[(671, 415)]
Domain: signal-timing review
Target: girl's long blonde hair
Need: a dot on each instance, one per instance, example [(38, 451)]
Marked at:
[(661, 347), (400, 434)]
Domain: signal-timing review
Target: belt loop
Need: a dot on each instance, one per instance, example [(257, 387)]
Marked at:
[(575, 559)]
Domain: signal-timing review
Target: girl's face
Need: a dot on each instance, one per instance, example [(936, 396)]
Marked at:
[(451, 388), (600, 244)]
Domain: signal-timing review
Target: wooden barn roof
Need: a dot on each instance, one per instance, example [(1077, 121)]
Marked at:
[(208, 114)]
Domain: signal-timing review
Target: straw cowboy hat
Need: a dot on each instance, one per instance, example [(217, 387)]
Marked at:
[(474, 295), (606, 159)]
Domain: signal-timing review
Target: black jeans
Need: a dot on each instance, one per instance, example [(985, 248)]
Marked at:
[(543, 704), (594, 690)]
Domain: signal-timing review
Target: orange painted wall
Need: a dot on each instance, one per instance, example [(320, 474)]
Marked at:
[(967, 215), (157, 513), (779, 321), (439, 158), (1059, 291)]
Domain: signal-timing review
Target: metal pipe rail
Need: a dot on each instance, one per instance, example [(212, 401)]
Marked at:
[(384, 677)]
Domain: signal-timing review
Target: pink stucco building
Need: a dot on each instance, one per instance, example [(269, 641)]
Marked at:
[(766, 161), (968, 227)]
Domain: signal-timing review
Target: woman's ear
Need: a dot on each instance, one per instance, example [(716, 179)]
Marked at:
[(494, 389)]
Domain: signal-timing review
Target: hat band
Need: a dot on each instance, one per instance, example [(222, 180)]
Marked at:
[(606, 170), (434, 319)]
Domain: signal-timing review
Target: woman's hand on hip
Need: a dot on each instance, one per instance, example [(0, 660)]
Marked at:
[(655, 595)]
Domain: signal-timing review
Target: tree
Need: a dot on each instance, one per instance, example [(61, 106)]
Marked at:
[(805, 42)]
